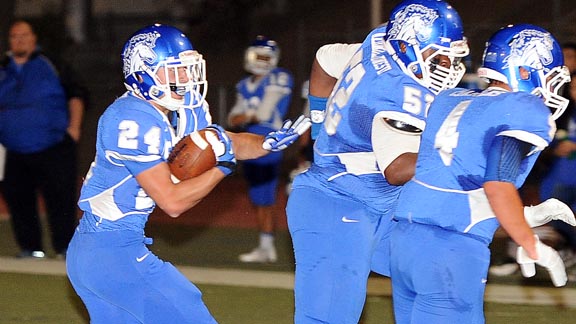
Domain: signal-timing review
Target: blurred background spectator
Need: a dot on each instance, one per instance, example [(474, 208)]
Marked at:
[(41, 113)]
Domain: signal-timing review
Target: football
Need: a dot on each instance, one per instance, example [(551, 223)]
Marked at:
[(193, 155)]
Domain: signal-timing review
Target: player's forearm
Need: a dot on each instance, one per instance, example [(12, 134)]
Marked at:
[(189, 193), (175, 199), (247, 146), (509, 210)]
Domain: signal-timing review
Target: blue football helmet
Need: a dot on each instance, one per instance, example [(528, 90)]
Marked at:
[(528, 59), (160, 65), (261, 56), (418, 32)]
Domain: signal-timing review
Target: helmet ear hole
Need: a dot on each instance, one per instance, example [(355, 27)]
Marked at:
[(524, 73)]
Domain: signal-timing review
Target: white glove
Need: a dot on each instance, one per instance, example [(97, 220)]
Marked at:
[(547, 258), (551, 209), (285, 136)]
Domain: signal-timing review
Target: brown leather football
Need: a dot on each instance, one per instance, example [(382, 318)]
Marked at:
[(193, 155)]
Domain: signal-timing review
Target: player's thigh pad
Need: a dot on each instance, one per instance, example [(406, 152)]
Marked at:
[(333, 238), (119, 268), (438, 276), (100, 310)]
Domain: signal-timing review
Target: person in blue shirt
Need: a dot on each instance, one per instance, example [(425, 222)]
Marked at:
[(41, 112), (262, 101), (108, 263), (339, 209), (477, 149)]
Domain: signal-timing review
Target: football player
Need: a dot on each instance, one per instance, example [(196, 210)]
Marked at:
[(262, 101), (108, 263), (476, 150), (340, 208)]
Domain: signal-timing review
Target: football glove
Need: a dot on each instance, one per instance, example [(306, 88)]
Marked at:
[(225, 158), (285, 136), (547, 258), (551, 209)]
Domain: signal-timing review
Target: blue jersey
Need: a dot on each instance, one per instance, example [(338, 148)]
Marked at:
[(450, 171), (371, 88), (132, 137), (253, 93), (268, 98)]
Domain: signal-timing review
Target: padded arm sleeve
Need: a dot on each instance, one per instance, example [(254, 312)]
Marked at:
[(333, 58), (390, 141)]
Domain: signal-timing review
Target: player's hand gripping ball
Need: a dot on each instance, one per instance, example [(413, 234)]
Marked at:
[(193, 154)]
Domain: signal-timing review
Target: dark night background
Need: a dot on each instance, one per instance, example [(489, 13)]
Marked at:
[(221, 29)]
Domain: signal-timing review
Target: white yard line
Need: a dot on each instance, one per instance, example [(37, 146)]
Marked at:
[(509, 294)]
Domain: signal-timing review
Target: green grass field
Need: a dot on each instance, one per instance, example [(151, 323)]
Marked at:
[(32, 299), (48, 299)]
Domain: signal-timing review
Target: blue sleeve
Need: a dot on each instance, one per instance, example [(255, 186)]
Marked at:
[(505, 159)]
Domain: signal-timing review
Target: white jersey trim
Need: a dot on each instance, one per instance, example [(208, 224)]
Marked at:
[(527, 137), (479, 206)]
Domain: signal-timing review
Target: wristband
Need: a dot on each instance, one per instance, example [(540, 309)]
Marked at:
[(317, 114)]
